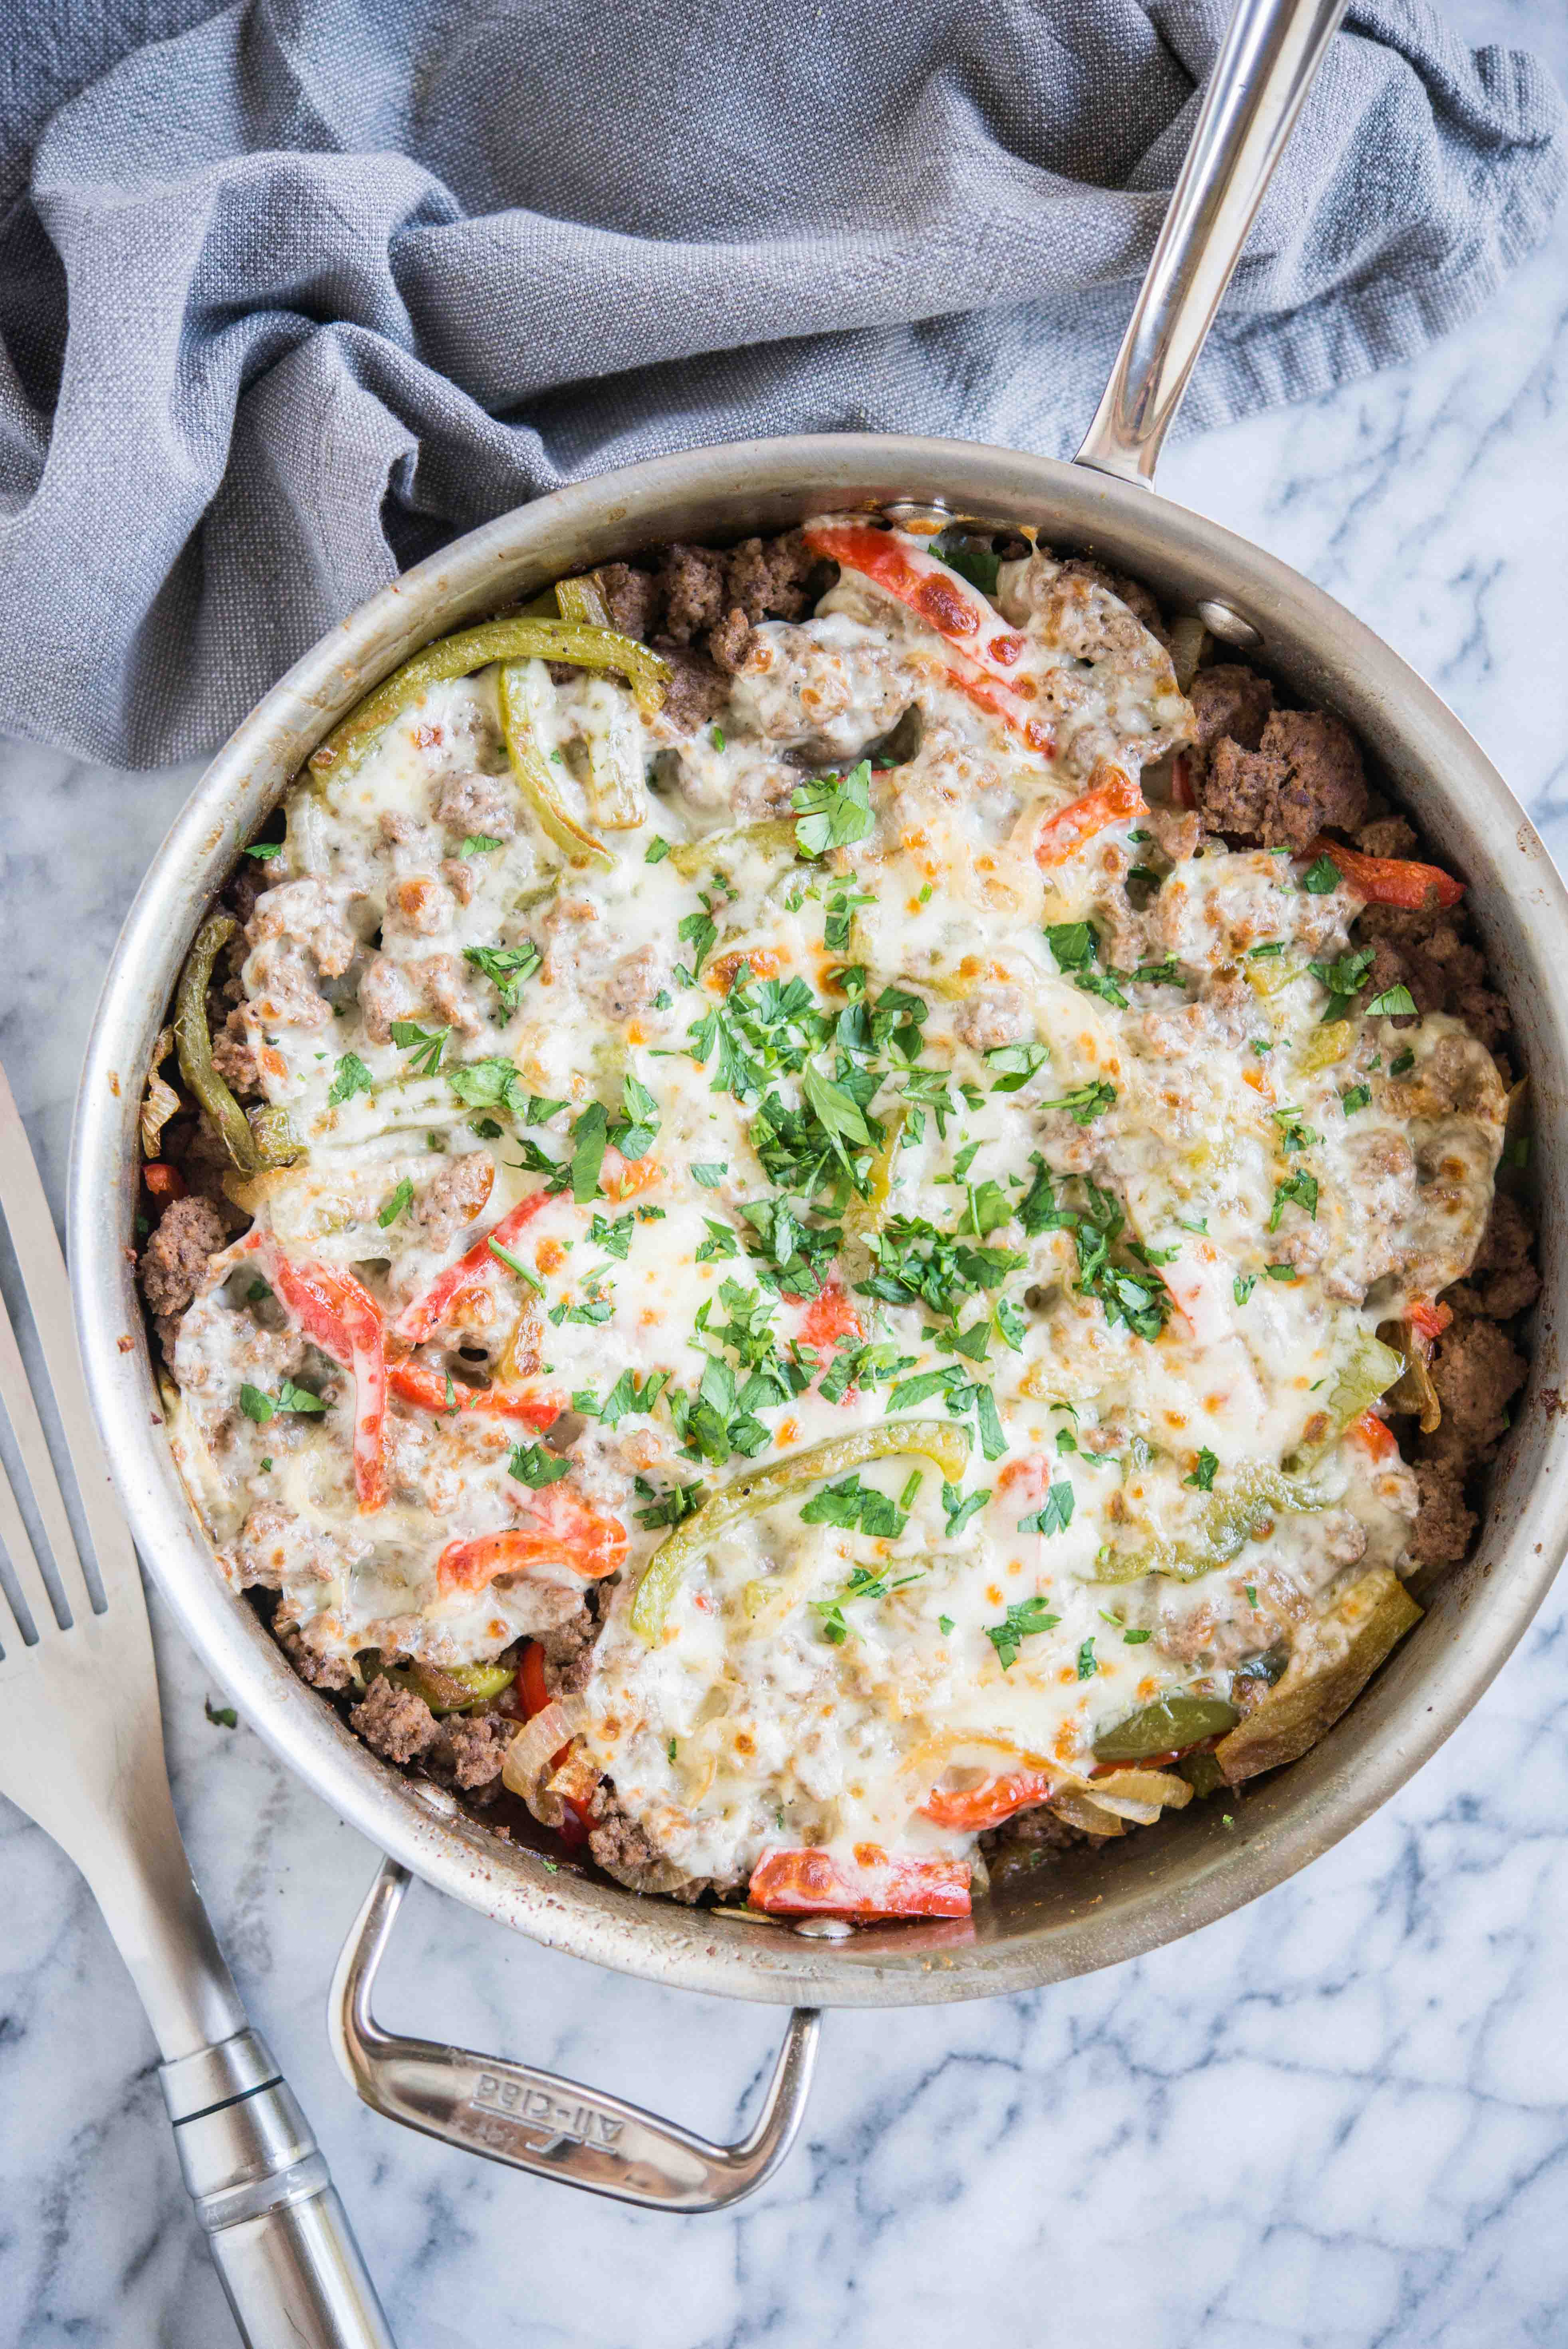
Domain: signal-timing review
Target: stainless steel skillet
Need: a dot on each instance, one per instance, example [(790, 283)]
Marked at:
[(1092, 1910)]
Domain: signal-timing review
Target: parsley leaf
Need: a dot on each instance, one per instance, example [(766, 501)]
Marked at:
[(508, 967), (1394, 1003), (479, 843), (397, 1204), (350, 1077), (1320, 876), (264, 851), (299, 1399), (423, 1045), (1355, 1097), (1014, 1064), (1073, 944), (1086, 1667), (531, 1464), (1085, 1102), (590, 1134), (1024, 1620), (835, 810), (700, 930), (1299, 1187), (961, 1506), (1054, 1514), (710, 1177), (1203, 1476), (1343, 978)]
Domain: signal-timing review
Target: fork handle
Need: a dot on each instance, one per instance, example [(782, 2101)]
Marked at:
[(276, 2230)]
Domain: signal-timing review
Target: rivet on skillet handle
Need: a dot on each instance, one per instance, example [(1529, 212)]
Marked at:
[(537, 2120), (1261, 75)]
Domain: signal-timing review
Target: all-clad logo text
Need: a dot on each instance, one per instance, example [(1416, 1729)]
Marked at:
[(564, 2124)]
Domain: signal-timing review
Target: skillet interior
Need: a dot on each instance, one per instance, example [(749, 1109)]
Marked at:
[(1092, 1908)]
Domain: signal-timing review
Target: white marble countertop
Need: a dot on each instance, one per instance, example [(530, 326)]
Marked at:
[(1338, 2119)]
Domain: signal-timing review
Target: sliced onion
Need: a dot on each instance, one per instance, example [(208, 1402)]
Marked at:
[(162, 1101), (538, 1741)]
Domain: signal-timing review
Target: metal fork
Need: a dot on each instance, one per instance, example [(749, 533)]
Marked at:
[(81, 1751)]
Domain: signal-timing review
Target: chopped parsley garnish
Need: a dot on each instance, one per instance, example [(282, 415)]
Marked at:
[(1320, 876), (1086, 1667), (1402, 1064), (700, 932), (1343, 978), (1085, 1102), (350, 1077), (1257, 953), (1014, 1064), (1394, 1003), (961, 1506), (1103, 984), (1135, 1638), (1355, 1097), (264, 851), (1024, 1620), (835, 810), (1073, 944), (1298, 1187), (670, 1507), (718, 737), (1242, 1285), (533, 1466), (423, 1046), (838, 921), (260, 1407), (613, 1239), (479, 843), (514, 1263), (720, 1242), (944, 1625), (658, 849), (1054, 1514), (401, 1201), (1203, 1476), (1280, 1271), (508, 967), (710, 1177), (853, 1506)]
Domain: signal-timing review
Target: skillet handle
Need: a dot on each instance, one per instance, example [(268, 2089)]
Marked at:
[(1263, 70), (537, 2120)]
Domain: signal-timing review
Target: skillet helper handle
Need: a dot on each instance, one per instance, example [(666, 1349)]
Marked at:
[(276, 2228), (1264, 71), (537, 2120)]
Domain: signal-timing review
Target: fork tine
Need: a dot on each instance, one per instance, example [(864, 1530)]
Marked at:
[(32, 1444), (23, 1560), (43, 1270)]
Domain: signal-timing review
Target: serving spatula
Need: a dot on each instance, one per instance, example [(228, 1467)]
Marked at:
[(81, 1751)]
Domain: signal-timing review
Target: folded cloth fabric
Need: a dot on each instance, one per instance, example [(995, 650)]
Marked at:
[(293, 290)]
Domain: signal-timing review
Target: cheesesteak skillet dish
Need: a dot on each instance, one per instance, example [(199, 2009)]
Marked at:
[(830, 1211)]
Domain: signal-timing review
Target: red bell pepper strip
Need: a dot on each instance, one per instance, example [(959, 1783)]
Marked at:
[(1374, 1435), (573, 1828), (819, 1884), (1389, 879), (564, 1532), (1117, 799), (1428, 1318), (478, 1268), (1182, 795), (958, 612), (418, 1383), (988, 1805), (340, 1316), (164, 1182), (828, 1316)]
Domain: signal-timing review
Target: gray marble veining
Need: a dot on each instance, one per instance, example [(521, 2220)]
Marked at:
[(1338, 2119)]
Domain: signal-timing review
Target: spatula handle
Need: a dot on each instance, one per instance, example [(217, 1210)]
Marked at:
[(276, 2230)]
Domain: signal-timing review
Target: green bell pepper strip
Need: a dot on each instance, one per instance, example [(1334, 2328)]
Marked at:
[(531, 772), (454, 1688), (1371, 1368), (271, 1142), (582, 599), (1166, 1726), (690, 857), (940, 1440), (1372, 1616), (1226, 1527), (519, 638)]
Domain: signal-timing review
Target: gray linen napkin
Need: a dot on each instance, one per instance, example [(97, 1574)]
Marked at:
[(293, 290)]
